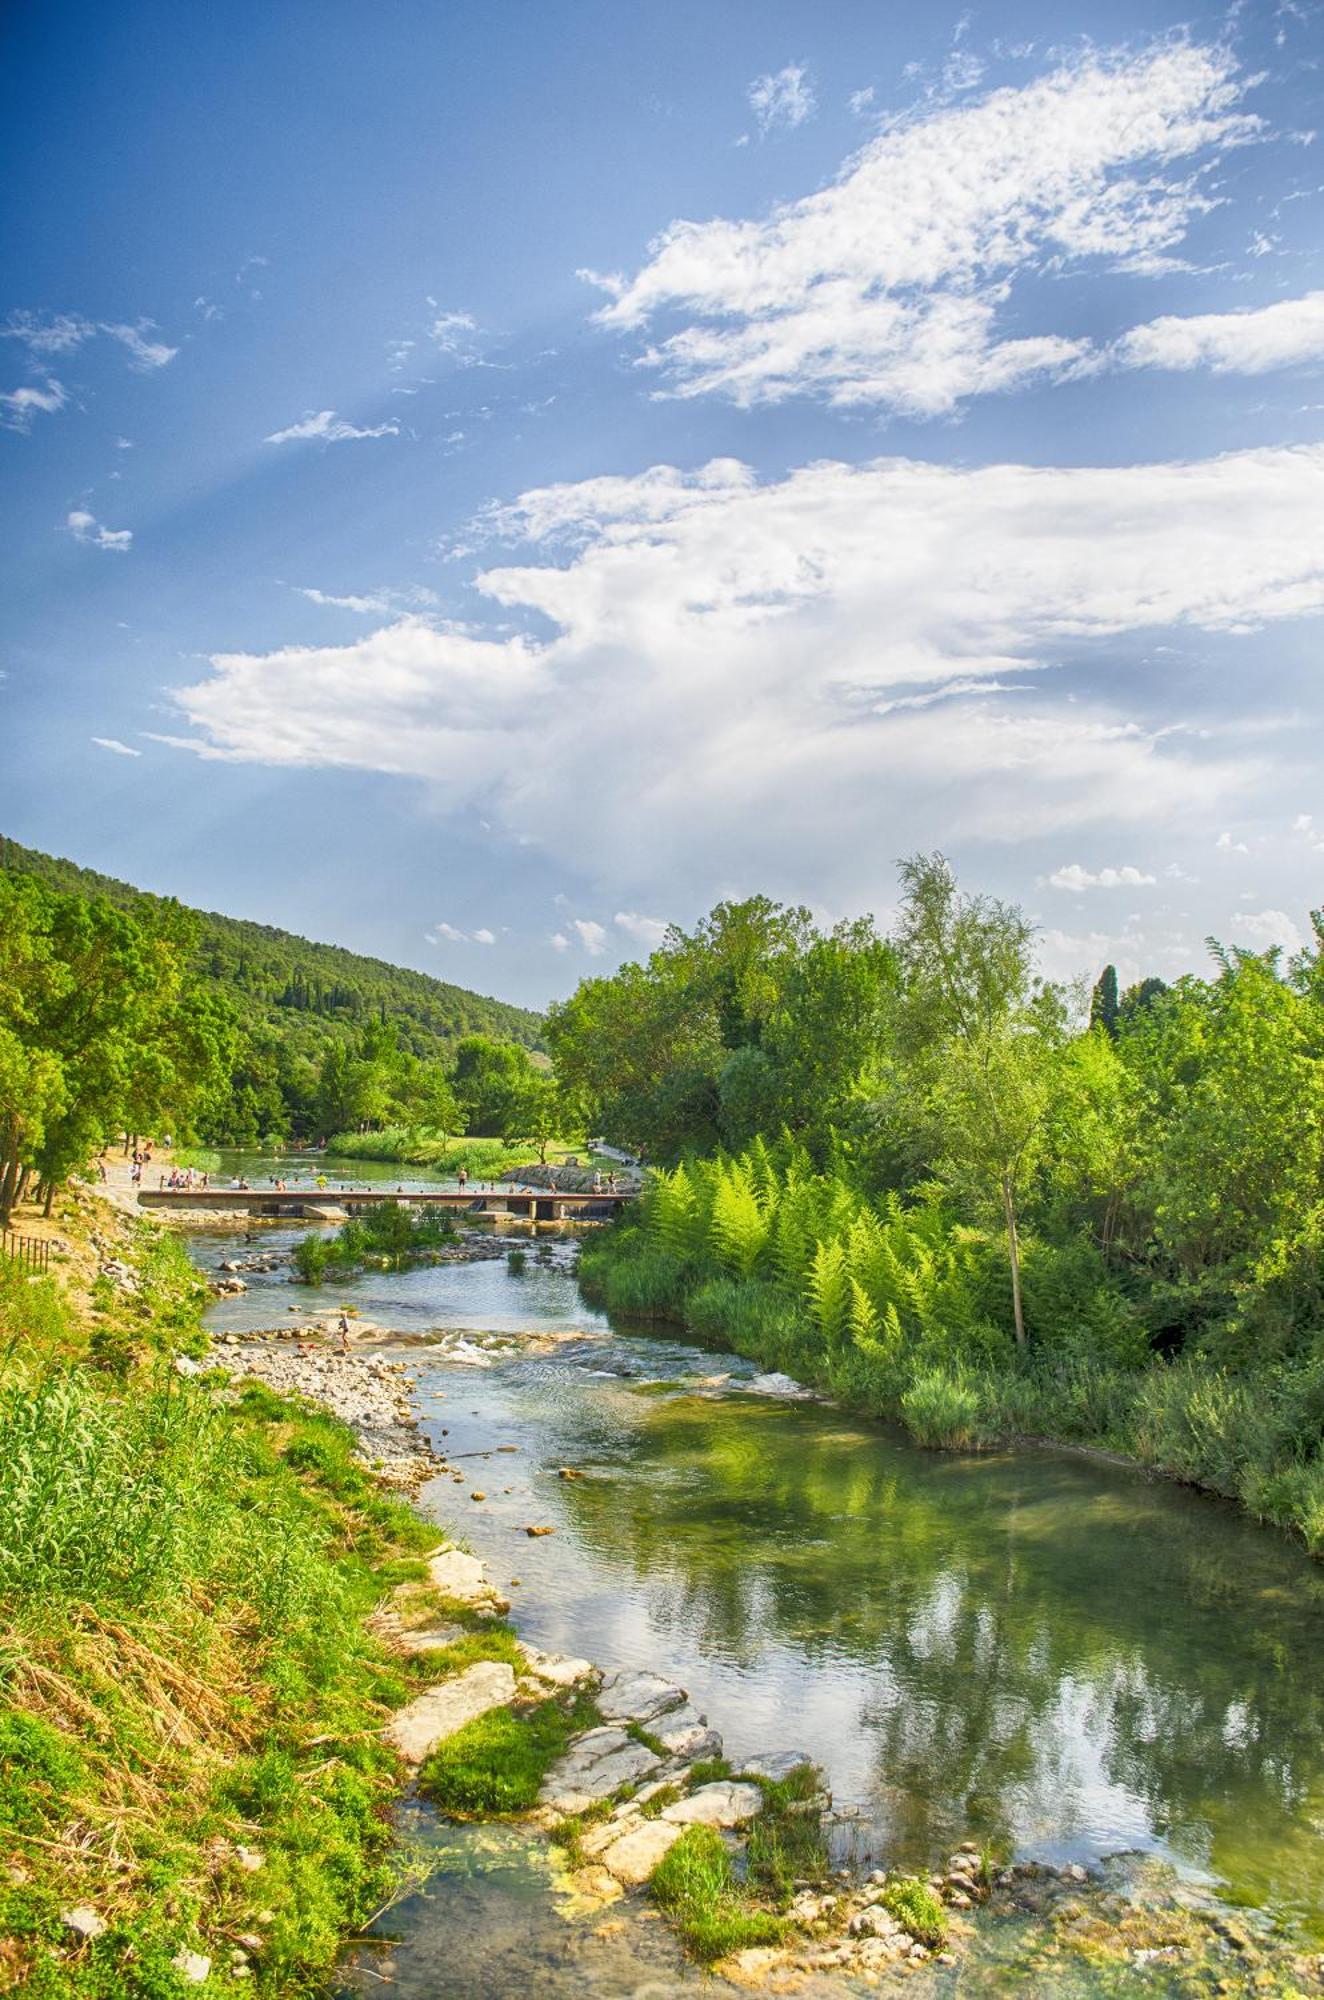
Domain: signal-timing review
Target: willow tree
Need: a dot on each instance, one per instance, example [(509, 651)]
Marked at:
[(978, 1040)]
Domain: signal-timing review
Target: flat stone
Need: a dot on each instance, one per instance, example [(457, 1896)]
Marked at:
[(633, 1857), (686, 1734), (436, 1714), (433, 1639), (558, 1668), (83, 1921), (774, 1765), (464, 1578), (638, 1697), (593, 1767), (722, 1804)]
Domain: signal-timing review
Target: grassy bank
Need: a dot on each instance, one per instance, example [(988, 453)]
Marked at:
[(928, 1347), (482, 1159), (191, 1699)]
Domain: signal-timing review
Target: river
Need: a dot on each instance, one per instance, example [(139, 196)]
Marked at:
[(1062, 1657)]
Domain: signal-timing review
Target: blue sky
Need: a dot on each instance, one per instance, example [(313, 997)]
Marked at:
[(483, 482)]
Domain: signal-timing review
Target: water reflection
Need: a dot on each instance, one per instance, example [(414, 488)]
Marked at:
[(1058, 1655)]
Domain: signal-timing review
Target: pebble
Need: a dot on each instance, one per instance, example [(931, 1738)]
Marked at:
[(83, 1921)]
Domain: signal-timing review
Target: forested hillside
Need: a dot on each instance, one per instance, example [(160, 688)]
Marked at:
[(302, 1010)]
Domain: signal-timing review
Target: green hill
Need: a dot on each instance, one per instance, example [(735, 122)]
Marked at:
[(296, 999)]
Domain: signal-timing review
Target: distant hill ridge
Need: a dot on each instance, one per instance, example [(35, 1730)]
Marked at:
[(283, 977)]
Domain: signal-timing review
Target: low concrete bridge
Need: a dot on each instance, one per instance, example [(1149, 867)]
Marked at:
[(534, 1204)]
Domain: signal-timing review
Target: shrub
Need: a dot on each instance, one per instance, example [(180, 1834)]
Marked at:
[(941, 1410), (917, 1910)]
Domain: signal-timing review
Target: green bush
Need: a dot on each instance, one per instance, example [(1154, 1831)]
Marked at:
[(917, 1910), (941, 1410)]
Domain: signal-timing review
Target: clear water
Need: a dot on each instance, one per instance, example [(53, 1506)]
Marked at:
[(1061, 1656)]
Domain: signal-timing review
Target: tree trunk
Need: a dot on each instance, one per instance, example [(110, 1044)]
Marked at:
[(50, 1199), (7, 1187), (1014, 1254)]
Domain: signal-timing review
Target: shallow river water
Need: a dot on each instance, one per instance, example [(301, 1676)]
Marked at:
[(1058, 1656)]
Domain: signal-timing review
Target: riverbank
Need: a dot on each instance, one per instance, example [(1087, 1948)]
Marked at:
[(195, 1786), (1245, 1437)]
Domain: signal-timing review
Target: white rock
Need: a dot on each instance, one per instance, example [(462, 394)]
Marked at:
[(686, 1733), (83, 1921), (557, 1668), (592, 1768), (464, 1578), (634, 1855), (192, 1967), (638, 1697), (186, 1365), (433, 1716), (722, 1804)]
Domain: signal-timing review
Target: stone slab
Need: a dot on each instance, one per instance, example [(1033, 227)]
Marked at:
[(638, 1697), (633, 1857), (721, 1804), (436, 1714), (592, 1768)]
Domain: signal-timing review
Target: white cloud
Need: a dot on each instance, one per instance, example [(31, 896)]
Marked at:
[(1241, 343), (373, 603), (63, 333), (782, 102), (443, 933), (861, 101), (1268, 928), (888, 287), (146, 354), (592, 936), (22, 404), (790, 617), (647, 931), (559, 941), (113, 743), (453, 332), (327, 428), (85, 527), (1227, 845), (1074, 876)]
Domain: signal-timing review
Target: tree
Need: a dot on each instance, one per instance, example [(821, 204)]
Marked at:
[(978, 1040), (1103, 1003), (534, 1111)]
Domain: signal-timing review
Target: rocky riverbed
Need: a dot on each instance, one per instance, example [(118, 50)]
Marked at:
[(628, 1785)]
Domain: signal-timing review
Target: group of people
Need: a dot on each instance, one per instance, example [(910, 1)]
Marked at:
[(182, 1179)]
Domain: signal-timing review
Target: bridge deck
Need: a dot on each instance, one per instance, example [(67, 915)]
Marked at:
[(541, 1204)]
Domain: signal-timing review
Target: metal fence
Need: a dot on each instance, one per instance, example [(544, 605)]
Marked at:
[(25, 1251)]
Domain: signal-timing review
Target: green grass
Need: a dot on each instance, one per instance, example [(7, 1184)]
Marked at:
[(390, 1236), (495, 1766), (482, 1159), (917, 1910), (184, 1581), (695, 1884), (786, 1841)]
